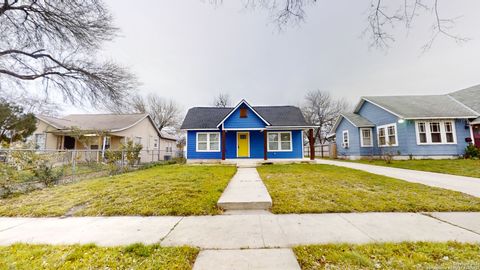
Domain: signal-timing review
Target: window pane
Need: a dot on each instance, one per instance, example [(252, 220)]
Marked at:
[(285, 145), (391, 130), (450, 137), (436, 138), (214, 146), (214, 137), (435, 127), (392, 140), (381, 132), (448, 127), (273, 146), (202, 146), (421, 127), (423, 137), (285, 137), (202, 137), (273, 137)]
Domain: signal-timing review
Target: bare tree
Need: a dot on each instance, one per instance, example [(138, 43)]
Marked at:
[(54, 44), (383, 17), (321, 109), (165, 113), (222, 100)]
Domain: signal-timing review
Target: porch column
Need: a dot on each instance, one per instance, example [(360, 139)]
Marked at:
[(223, 144), (312, 144), (265, 145)]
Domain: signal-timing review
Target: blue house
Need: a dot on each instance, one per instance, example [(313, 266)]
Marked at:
[(429, 126), (261, 132)]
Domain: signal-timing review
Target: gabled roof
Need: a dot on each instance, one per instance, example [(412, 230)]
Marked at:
[(211, 117), (470, 97), (417, 107), (97, 122), (242, 102), (355, 119)]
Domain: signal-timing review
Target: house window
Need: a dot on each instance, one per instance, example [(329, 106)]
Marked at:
[(366, 140), (279, 141), (208, 142), (435, 132), (387, 135), (108, 141), (40, 141), (137, 140), (422, 132), (155, 143), (346, 140), (243, 113)]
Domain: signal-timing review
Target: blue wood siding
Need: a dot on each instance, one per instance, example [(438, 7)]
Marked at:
[(192, 147), (251, 121), (256, 146), (407, 140)]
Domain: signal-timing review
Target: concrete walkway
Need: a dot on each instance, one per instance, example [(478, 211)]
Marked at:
[(467, 185), (244, 231), (245, 191)]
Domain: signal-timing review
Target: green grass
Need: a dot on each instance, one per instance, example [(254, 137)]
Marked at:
[(21, 256), (463, 167), (307, 188), (162, 190), (420, 255)]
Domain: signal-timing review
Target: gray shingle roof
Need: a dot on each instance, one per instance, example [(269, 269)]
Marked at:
[(431, 106), (358, 120), (105, 122), (470, 97), (210, 117)]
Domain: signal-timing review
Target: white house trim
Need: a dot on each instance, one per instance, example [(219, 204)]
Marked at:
[(428, 132), (208, 142), (387, 139), (280, 141), (361, 137), (243, 101)]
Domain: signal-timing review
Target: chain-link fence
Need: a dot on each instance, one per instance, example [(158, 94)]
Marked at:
[(22, 170)]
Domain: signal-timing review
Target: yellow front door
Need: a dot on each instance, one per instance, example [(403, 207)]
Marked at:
[(242, 144)]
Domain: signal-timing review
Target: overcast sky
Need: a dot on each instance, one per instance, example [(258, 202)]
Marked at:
[(191, 50)]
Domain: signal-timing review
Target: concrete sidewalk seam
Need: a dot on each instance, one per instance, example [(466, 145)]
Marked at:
[(171, 230), (14, 226), (356, 227), (449, 223)]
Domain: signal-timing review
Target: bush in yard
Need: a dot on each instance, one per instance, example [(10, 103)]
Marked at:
[(472, 151), (8, 176), (132, 152), (45, 173)]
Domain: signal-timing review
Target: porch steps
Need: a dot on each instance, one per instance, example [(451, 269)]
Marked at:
[(245, 191)]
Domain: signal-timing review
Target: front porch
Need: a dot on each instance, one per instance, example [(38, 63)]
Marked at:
[(251, 162)]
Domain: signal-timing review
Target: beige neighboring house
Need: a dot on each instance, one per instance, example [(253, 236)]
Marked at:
[(101, 132)]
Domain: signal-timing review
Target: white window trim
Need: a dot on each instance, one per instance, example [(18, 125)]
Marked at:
[(279, 141), (208, 141), (361, 137), (345, 144), (443, 133), (387, 137)]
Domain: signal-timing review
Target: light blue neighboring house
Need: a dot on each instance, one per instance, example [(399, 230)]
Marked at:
[(428, 126), (245, 132)]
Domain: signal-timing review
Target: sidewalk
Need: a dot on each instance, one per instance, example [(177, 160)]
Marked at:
[(467, 185), (244, 231), (245, 191)]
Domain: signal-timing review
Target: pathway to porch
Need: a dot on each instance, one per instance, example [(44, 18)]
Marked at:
[(467, 185)]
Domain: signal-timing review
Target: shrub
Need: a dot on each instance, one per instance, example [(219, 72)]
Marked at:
[(472, 151)]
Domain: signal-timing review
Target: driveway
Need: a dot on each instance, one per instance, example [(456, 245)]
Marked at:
[(467, 185)]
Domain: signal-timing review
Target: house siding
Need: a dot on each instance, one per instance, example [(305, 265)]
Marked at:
[(251, 121), (255, 144), (406, 134)]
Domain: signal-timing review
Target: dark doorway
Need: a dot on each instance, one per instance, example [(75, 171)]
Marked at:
[(69, 143), (476, 135)]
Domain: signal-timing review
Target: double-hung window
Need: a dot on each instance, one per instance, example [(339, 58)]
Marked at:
[(387, 135), (366, 139), (279, 141), (346, 139), (435, 132), (40, 141), (208, 142)]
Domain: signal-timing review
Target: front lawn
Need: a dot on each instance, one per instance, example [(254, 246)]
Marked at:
[(162, 190), (308, 188), (463, 167), (420, 255), (21, 256)]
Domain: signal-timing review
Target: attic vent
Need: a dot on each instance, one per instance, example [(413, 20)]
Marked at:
[(243, 112)]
